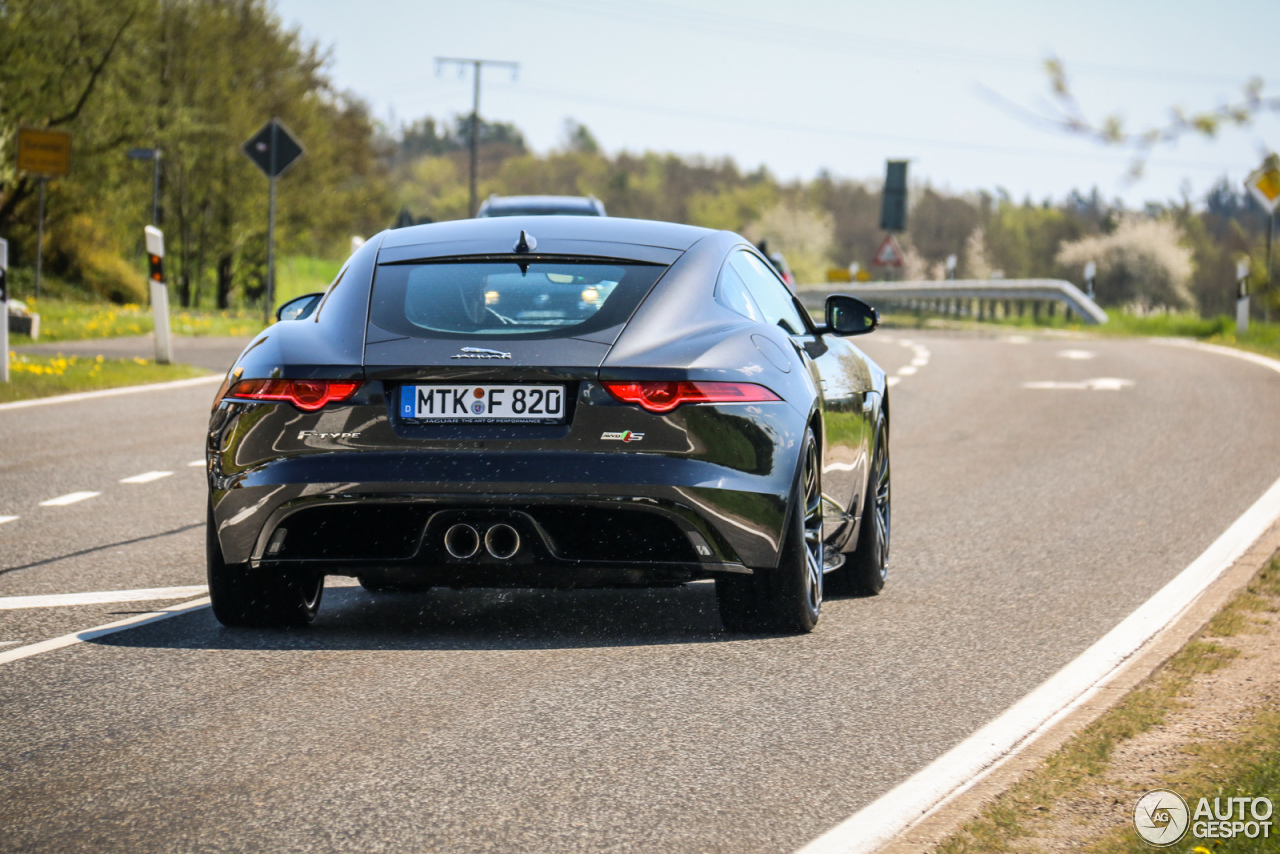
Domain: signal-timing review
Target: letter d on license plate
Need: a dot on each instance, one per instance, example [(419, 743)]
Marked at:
[(482, 402)]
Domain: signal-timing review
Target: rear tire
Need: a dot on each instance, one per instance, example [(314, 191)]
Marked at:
[(864, 572), (787, 599), (242, 596)]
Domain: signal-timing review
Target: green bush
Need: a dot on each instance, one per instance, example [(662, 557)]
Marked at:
[(81, 250)]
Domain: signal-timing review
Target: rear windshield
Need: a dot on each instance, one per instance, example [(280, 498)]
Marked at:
[(545, 299)]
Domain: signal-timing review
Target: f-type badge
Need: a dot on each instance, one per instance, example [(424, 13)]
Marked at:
[(624, 436), (481, 353)]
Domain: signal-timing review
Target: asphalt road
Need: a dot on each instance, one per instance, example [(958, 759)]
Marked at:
[(1027, 522)]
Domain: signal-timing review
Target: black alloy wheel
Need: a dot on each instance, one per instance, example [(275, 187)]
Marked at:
[(242, 596), (864, 573), (787, 599)]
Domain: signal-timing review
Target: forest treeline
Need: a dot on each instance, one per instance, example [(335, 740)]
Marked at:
[(196, 78)]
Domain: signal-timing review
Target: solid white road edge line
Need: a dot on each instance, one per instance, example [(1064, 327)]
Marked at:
[(956, 771), (99, 631), (101, 597), (110, 392)]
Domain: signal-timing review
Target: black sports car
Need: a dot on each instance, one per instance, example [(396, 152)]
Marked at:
[(560, 402)]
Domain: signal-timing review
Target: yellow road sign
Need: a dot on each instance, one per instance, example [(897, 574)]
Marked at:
[(44, 152), (1264, 183)]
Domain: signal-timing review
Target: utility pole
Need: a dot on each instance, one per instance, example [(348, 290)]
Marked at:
[(477, 65)]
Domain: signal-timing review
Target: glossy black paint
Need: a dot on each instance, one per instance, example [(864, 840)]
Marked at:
[(360, 491)]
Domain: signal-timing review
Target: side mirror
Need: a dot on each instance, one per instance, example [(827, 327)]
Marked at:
[(299, 308), (848, 315)]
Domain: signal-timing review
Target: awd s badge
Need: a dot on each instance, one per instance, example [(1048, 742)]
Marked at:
[(624, 436)]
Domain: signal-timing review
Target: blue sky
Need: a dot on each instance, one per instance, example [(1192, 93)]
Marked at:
[(802, 86)]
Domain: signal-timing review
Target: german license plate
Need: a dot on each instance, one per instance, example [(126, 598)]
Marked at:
[(482, 402)]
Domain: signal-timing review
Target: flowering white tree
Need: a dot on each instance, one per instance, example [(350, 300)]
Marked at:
[(1142, 263)]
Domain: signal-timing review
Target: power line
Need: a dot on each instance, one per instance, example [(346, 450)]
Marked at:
[(667, 16), (842, 133)]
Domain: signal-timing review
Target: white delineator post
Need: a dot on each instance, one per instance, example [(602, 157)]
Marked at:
[(1242, 296), (4, 311), (159, 296)]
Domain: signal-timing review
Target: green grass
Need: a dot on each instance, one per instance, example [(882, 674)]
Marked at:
[(302, 274), (67, 312), (1261, 338), (68, 320), (32, 376)]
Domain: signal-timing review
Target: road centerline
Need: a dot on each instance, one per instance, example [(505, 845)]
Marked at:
[(146, 477), (69, 498)]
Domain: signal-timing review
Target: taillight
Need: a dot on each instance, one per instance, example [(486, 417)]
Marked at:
[(307, 395), (664, 396)]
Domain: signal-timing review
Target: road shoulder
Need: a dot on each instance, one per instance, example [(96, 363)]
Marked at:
[(963, 823)]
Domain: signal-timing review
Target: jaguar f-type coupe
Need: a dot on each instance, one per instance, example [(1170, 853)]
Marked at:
[(555, 402)]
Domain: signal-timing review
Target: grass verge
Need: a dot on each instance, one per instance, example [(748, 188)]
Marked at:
[(1248, 764), (68, 320), (1261, 338), (32, 376)]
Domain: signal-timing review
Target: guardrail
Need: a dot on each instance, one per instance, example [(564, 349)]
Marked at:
[(958, 296)]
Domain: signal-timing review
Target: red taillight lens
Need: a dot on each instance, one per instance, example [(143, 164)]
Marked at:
[(307, 395), (664, 396)]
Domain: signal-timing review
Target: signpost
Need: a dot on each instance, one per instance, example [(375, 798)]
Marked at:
[(46, 154), (273, 149), (159, 294), (1264, 185), (151, 154), (1242, 296), (4, 311)]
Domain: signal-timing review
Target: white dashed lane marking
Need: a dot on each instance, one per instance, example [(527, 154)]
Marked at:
[(4, 519), (1099, 384), (195, 463), (907, 370), (146, 477), (69, 498), (1078, 355), (102, 597), (893, 381)]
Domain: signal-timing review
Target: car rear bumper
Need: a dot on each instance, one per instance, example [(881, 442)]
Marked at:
[(585, 515)]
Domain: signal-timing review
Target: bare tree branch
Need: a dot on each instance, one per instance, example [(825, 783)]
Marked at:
[(1067, 115), (95, 72)]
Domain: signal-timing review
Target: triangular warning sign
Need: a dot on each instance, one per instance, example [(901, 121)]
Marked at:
[(889, 254)]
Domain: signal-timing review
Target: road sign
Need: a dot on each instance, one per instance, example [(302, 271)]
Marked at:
[(143, 153), (1264, 183), (889, 254), (273, 149), (44, 152)]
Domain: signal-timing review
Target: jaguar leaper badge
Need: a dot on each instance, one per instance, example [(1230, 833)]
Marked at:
[(481, 353)]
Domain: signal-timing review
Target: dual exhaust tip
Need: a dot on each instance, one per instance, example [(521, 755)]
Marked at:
[(463, 541)]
